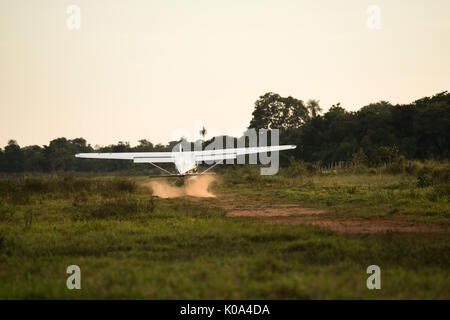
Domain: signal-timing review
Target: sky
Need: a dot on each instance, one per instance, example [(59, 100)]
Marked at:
[(156, 70)]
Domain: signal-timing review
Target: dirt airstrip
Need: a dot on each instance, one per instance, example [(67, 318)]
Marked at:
[(239, 206)]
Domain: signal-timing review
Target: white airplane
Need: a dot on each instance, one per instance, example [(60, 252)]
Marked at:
[(185, 161)]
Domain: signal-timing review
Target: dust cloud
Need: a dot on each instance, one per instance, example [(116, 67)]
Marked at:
[(196, 186)]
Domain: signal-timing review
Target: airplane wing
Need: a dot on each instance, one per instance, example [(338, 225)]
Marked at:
[(137, 157), (232, 153)]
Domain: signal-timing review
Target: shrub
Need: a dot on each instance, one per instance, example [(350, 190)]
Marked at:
[(251, 174), (242, 174), (442, 190), (296, 168), (360, 158), (413, 167), (441, 173), (424, 180), (312, 167), (384, 154), (398, 166), (6, 211)]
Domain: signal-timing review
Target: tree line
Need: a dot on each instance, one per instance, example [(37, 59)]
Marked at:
[(58, 155), (375, 134)]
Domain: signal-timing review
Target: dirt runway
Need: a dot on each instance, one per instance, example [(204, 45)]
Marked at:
[(239, 206)]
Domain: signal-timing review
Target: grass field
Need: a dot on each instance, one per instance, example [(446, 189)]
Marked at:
[(255, 240)]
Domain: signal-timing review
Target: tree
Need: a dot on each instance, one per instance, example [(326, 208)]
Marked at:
[(13, 157), (203, 132), (2, 160), (60, 154), (144, 145), (275, 112), (385, 155), (34, 159), (313, 107)]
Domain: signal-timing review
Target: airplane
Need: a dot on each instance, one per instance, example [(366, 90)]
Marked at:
[(186, 162)]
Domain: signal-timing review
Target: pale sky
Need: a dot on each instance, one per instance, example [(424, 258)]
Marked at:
[(145, 69)]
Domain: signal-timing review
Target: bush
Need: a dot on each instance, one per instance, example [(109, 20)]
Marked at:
[(251, 174), (241, 174), (383, 155), (398, 166), (441, 173), (360, 158), (6, 211), (442, 190), (424, 180), (296, 168), (312, 167), (413, 167)]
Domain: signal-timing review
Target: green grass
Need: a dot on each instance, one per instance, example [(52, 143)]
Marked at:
[(357, 195), (130, 245)]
